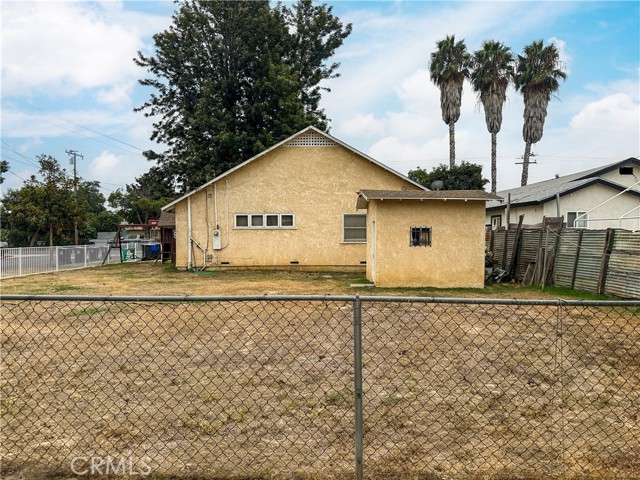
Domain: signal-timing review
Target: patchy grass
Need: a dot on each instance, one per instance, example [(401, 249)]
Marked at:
[(66, 288), (86, 311), (150, 278), (562, 292)]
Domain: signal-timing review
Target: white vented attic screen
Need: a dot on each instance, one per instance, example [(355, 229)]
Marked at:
[(310, 139)]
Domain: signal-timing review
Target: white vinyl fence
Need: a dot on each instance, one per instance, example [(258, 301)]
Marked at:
[(17, 262)]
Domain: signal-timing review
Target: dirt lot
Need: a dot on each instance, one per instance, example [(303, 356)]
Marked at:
[(147, 278), (265, 389)]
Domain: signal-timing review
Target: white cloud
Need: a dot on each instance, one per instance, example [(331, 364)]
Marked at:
[(114, 169), (27, 124), (611, 113), (63, 48), (362, 125), (118, 95), (565, 56)]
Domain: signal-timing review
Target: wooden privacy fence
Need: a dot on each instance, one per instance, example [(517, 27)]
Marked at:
[(597, 261)]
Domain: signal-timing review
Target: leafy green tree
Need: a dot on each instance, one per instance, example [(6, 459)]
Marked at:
[(466, 176), (491, 75), (537, 77), (104, 221), (448, 67), (144, 199), (98, 219), (232, 78), (47, 205), (4, 168), (315, 34), (89, 193)]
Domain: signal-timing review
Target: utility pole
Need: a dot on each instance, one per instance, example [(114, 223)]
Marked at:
[(73, 154)]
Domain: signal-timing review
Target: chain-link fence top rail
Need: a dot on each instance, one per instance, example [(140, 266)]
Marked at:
[(232, 386)]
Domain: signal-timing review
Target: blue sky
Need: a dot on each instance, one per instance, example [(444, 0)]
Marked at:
[(69, 83)]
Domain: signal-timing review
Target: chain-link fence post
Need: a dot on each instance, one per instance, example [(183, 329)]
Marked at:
[(357, 376)]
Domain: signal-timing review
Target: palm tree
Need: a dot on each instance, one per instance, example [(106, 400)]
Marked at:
[(449, 66), (491, 75), (537, 76)]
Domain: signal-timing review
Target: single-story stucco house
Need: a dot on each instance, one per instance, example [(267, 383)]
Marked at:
[(599, 198), (295, 205)]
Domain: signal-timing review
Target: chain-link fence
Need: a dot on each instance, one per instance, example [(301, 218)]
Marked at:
[(319, 387)]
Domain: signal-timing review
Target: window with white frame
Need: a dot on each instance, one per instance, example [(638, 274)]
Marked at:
[(264, 220), (577, 219), (496, 221), (354, 228)]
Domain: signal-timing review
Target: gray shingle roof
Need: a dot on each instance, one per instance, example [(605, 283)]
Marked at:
[(541, 192)]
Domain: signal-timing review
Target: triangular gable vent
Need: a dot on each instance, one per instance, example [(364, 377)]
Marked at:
[(310, 139)]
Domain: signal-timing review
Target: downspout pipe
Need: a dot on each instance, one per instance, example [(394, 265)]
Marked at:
[(189, 240)]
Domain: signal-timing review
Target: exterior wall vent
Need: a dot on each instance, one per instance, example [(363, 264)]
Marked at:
[(310, 139), (225, 263), (294, 262)]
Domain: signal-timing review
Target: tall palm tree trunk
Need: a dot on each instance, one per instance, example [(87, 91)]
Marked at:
[(494, 169), (452, 144), (525, 165)]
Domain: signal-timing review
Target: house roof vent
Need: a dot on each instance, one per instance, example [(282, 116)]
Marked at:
[(310, 139)]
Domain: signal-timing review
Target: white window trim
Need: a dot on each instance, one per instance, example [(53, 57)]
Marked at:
[(364, 228), (264, 221), (580, 217)]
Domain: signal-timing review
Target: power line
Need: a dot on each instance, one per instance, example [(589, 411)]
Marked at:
[(74, 123), (16, 175), (29, 160)]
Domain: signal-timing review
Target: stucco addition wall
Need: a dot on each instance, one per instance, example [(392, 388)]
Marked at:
[(315, 184), (455, 257)]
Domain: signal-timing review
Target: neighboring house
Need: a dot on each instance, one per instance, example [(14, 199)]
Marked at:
[(295, 204), (419, 238), (603, 197), (103, 239)]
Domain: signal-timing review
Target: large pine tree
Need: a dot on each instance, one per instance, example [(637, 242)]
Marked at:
[(232, 78)]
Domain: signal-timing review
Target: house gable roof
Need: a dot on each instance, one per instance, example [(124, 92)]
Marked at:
[(328, 141), (541, 192)]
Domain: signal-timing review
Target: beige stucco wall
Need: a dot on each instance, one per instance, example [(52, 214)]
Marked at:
[(626, 180), (316, 184), (583, 201), (455, 259)]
